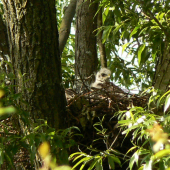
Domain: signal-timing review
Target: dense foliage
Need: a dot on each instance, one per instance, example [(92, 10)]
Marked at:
[(137, 28), (141, 29)]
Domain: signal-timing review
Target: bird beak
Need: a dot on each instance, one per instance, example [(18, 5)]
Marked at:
[(108, 77)]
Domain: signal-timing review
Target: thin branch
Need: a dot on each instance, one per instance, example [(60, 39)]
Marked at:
[(102, 50)]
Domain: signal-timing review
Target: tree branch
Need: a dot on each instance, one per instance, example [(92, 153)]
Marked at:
[(66, 24), (102, 51)]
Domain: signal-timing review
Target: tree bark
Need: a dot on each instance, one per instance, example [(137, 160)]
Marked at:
[(34, 51), (162, 75), (65, 26), (4, 47), (85, 50), (4, 38)]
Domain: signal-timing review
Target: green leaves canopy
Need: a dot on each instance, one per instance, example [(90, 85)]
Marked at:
[(141, 27)]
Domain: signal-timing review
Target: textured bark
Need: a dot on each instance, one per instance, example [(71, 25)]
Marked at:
[(4, 38), (34, 51), (103, 59), (65, 26), (162, 75), (85, 50)]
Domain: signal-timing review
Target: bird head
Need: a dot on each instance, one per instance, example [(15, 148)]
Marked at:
[(103, 75)]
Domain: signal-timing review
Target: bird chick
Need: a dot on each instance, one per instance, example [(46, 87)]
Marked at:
[(102, 76)]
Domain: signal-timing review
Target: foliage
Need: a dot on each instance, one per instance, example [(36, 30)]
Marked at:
[(141, 29), (142, 123), (134, 33), (148, 132), (14, 120), (48, 163), (96, 160)]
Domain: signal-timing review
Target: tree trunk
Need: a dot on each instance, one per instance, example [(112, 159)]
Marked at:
[(85, 50), (4, 48), (34, 52), (162, 75)]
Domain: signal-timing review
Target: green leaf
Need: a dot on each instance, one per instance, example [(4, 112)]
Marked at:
[(124, 47), (82, 160), (1, 156), (124, 122), (117, 29), (106, 33), (105, 13), (77, 157), (141, 48), (63, 167), (134, 31), (92, 164), (33, 154), (99, 164), (161, 154), (161, 15), (167, 103), (162, 97), (141, 168), (131, 163), (77, 153), (132, 148), (7, 110), (115, 159), (134, 159), (168, 168), (143, 30), (111, 162), (154, 27)]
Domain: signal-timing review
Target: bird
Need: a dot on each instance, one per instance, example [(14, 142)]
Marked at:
[(102, 76), (70, 94), (102, 82)]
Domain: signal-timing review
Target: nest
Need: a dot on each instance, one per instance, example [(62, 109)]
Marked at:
[(86, 109), (99, 102)]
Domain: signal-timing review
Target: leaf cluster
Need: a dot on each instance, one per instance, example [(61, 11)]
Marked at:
[(140, 28)]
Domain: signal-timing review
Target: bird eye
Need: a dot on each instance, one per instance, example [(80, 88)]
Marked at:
[(104, 75)]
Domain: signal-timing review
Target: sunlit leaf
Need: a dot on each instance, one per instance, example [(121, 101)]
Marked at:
[(7, 110), (124, 47), (141, 168), (63, 167), (161, 98), (141, 48), (167, 103), (105, 13), (81, 161), (134, 31), (161, 154), (77, 153), (92, 164)]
